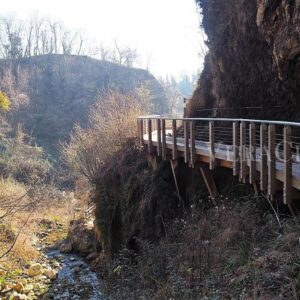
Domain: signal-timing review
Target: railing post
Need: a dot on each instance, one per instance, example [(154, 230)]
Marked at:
[(150, 136), (235, 149), (211, 145), (243, 159), (271, 160), (287, 182), (163, 144), (252, 171), (186, 141), (158, 128), (263, 158), (140, 131), (192, 141), (174, 139)]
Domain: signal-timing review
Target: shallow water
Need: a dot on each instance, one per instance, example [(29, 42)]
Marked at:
[(75, 279)]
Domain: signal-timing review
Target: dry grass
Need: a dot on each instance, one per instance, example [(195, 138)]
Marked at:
[(10, 189), (235, 251), (21, 228)]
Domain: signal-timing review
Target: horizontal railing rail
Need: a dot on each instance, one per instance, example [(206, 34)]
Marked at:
[(172, 117)]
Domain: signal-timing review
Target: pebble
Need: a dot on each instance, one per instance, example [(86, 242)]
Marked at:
[(28, 288), (23, 281), (17, 296), (35, 269), (6, 290), (18, 287), (50, 273), (76, 270)]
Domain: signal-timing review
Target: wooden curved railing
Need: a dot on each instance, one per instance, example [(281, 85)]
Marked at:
[(259, 151)]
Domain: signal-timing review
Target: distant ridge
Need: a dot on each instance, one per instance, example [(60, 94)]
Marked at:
[(62, 89)]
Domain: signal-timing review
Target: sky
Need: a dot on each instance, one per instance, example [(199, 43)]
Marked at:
[(165, 33)]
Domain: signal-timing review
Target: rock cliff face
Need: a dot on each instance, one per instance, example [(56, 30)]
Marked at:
[(253, 59)]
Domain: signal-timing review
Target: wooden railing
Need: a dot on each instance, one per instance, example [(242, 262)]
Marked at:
[(265, 153)]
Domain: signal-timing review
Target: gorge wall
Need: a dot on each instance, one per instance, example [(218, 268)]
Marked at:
[(253, 59)]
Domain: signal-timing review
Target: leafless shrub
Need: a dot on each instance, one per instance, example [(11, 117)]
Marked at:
[(112, 122), (22, 160), (15, 85)]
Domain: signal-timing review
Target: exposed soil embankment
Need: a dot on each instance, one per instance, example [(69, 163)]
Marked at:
[(184, 247), (253, 59), (135, 201)]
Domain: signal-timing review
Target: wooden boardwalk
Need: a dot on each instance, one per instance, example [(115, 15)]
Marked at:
[(264, 153)]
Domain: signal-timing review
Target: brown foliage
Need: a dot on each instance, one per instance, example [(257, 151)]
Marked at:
[(112, 122)]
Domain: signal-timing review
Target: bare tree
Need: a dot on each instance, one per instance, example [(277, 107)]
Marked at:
[(171, 91), (11, 38), (117, 54), (104, 53), (125, 56), (54, 36), (37, 36)]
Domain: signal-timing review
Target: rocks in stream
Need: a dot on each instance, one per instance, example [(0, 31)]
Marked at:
[(53, 275), (80, 239), (74, 281)]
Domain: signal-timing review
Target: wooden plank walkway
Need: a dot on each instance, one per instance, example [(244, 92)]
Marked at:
[(261, 152)]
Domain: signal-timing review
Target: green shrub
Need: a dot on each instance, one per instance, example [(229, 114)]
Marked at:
[(4, 102), (22, 160)]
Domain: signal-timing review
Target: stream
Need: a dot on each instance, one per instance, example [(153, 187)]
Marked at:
[(75, 280)]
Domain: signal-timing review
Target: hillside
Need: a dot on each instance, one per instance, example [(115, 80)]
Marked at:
[(139, 225), (62, 88), (253, 59)]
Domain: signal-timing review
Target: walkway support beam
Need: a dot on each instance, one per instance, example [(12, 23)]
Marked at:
[(209, 183)]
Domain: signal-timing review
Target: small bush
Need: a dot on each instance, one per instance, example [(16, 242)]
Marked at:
[(112, 122), (22, 160), (4, 102)]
